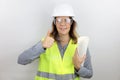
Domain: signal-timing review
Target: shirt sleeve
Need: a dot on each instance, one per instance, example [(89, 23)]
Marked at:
[(86, 70), (31, 54)]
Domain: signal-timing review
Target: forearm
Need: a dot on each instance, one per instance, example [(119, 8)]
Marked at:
[(31, 54), (84, 72)]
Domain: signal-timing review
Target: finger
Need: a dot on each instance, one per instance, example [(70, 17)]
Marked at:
[(84, 57), (77, 52), (50, 42), (48, 33), (52, 39)]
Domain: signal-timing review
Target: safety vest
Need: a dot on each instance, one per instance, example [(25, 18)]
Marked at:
[(53, 67)]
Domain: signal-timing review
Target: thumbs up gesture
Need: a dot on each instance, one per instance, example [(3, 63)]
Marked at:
[(48, 41)]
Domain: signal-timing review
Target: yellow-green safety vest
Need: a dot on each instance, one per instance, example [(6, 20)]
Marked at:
[(53, 67)]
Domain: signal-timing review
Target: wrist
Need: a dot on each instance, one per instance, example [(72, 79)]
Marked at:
[(77, 68), (43, 46)]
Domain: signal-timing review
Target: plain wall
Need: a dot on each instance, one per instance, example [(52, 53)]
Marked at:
[(24, 22)]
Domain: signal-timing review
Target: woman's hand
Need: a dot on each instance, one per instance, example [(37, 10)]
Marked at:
[(78, 60), (48, 41)]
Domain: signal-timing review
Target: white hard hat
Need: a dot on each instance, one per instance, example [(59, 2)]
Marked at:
[(63, 10)]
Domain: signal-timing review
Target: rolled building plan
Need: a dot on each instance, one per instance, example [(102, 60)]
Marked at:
[(82, 45)]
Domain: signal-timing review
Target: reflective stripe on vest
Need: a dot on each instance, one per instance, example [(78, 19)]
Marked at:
[(56, 76)]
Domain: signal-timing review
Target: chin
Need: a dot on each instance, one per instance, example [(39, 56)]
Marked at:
[(63, 33)]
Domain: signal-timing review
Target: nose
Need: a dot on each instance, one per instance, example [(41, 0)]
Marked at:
[(62, 22)]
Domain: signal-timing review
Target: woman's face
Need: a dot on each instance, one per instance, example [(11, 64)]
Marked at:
[(63, 24)]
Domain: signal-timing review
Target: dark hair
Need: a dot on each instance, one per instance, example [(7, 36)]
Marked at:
[(72, 33)]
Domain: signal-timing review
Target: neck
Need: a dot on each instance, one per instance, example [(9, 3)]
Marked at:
[(64, 39)]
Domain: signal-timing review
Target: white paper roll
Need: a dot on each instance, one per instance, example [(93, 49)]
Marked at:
[(82, 45)]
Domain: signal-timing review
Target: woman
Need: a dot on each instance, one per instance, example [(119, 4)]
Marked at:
[(57, 52)]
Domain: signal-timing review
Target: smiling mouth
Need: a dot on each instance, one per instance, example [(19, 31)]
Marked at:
[(63, 29)]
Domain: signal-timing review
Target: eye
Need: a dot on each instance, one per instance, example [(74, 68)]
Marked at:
[(59, 20), (67, 20)]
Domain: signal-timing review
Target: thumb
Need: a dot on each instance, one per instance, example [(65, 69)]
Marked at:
[(48, 33)]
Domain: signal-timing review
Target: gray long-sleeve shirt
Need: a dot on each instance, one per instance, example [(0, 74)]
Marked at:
[(33, 53)]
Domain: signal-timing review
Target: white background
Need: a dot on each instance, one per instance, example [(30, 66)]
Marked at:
[(24, 22)]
